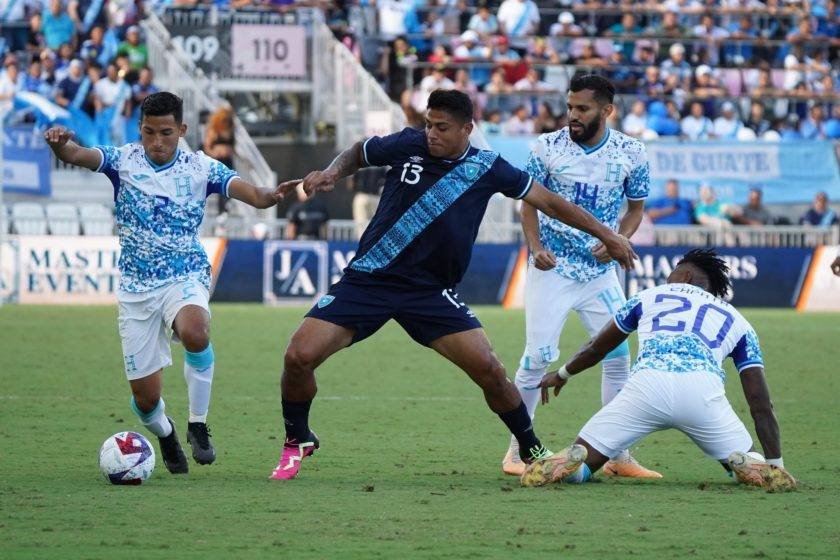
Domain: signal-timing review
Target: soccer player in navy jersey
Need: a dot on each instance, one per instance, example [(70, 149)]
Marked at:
[(411, 257)]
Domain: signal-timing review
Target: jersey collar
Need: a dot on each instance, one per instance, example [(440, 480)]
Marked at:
[(158, 168), (463, 156), (596, 147)]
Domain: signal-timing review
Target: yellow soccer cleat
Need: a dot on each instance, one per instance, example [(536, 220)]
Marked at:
[(554, 468), (628, 468), (754, 472), (512, 464)]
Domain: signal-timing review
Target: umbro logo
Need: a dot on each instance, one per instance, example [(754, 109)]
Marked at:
[(140, 177), (416, 159)]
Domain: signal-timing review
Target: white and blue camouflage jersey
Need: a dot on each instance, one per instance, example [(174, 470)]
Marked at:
[(158, 212), (597, 179), (683, 328)]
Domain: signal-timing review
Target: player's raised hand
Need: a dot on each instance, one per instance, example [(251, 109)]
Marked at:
[(835, 266), (544, 260), (620, 249), (57, 136), (286, 188), (551, 379)]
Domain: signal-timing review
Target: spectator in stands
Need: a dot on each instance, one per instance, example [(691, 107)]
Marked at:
[(813, 128), (676, 65), (35, 42), (696, 125), (519, 123), (755, 213), (436, 80), (727, 125), (67, 92), (735, 53), (57, 26), (712, 35), (503, 53), (471, 51), (464, 83), (651, 84), (794, 68), (826, 86), (367, 186), (635, 123), (392, 16), (137, 52), (621, 73), (671, 209), (565, 26), (590, 57), (711, 212), (817, 67), (820, 214), (484, 22), (9, 81), (48, 74), (307, 218), (63, 60), (144, 88), (545, 121), (669, 26), (15, 38), (539, 51), (705, 84), (627, 26), (645, 54), (518, 18), (94, 48), (532, 82), (33, 82), (440, 55), (493, 123), (765, 86), (497, 84), (757, 121), (88, 13), (803, 33), (395, 61)]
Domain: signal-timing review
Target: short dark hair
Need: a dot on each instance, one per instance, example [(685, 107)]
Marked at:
[(603, 89), (714, 267), (161, 104), (453, 102)]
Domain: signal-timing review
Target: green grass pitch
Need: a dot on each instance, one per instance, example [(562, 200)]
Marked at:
[(409, 466)]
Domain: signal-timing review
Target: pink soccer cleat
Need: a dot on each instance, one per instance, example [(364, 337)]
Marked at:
[(292, 456)]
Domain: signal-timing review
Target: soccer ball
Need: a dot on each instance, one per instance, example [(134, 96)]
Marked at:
[(126, 458)]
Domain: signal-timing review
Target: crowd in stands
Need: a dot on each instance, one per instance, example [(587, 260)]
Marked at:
[(86, 56), (732, 69), (673, 209)]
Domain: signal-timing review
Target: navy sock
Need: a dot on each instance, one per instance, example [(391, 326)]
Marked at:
[(519, 423), (296, 418)]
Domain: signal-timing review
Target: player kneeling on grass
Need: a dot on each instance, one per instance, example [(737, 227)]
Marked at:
[(685, 333), (159, 194)]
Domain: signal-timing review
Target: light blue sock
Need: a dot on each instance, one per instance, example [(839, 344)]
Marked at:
[(581, 475), (198, 371), (155, 420)]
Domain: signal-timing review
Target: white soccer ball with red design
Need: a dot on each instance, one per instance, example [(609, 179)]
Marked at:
[(127, 458)]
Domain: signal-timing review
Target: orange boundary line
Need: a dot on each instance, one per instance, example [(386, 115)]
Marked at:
[(218, 260), (805, 294), (515, 278)]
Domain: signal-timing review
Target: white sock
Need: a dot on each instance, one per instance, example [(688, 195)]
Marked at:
[(613, 377), (198, 372), (527, 382), (156, 420)]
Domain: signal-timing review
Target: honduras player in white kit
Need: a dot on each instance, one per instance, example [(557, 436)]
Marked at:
[(597, 169), (685, 333), (159, 194)]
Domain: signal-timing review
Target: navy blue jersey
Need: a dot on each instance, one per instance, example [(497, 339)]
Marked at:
[(428, 217)]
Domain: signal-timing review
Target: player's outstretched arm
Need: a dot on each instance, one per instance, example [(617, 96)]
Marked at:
[(346, 163), (761, 408), (543, 258), (250, 194), (59, 140), (589, 355), (617, 246)]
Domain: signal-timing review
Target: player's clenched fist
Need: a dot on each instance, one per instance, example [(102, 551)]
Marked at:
[(57, 136), (544, 260), (619, 248)]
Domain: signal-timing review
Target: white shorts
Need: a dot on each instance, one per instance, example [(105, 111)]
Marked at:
[(693, 403), (550, 297), (145, 324)]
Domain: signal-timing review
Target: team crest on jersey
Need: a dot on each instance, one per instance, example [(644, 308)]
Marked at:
[(471, 170), (325, 301), (416, 159)]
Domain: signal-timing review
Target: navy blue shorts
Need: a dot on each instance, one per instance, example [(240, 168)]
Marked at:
[(364, 306)]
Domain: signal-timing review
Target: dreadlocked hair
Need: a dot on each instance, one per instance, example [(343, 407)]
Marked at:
[(713, 266)]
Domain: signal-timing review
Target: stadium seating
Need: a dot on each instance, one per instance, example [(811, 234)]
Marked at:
[(63, 219), (96, 219), (28, 218)]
